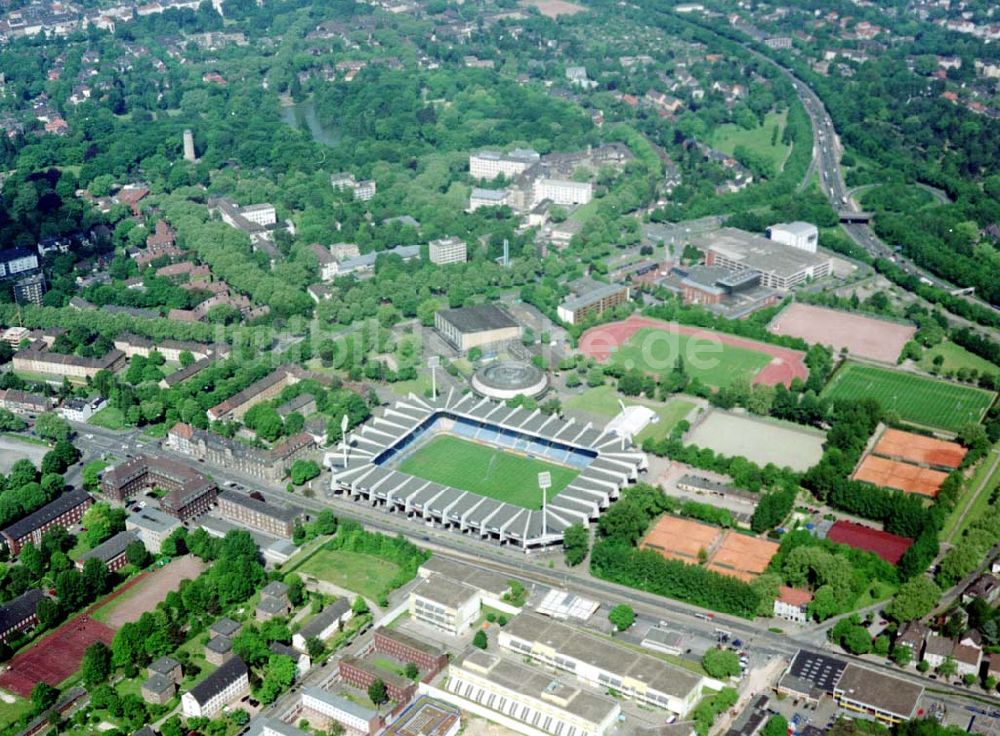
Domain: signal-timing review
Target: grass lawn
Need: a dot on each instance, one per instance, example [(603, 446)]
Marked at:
[(81, 546), (485, 470), (418, 385), (384, 663), (109, 418), (978, 491), (603, 400), (670, 413), (353, 571), (655, 351), (925, 401), (727, 137), (956, 357), (877, 591), (11, 712)]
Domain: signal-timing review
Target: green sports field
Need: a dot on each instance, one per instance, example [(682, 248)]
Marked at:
[(654, 350), (924, 401), (485, 470)]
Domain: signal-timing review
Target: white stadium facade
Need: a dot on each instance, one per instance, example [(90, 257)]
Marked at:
[(606, 463)]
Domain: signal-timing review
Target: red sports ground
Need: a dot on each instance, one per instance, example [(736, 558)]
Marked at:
[(785, 366)]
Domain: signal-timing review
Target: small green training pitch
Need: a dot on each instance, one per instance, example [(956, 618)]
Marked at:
[(715, 363), (485, 470), (923, 401)]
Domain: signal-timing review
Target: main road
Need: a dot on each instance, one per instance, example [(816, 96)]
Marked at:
[(680, 616)]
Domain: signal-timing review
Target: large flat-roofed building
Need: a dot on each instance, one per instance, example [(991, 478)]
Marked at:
[(447, 250), (405, 648), (780, 266), (591, 298), (490, 164), (227, 684), (445, 604), (189, 493), (64, 511), (427, 717), (16, 261), (801, 235), (152, 526), (267, 517), (264, 726), (207, 446), (885, 698), (58, 365), (487, 198), (482, 326), (602, 664), (563, 191), (810, 676), (489, 584), (19, 614), (323, 708), (731, 294), (525, 699)]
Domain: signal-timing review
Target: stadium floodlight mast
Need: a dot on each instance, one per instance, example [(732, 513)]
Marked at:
[(433, 362), (545, 483), (343, 436)]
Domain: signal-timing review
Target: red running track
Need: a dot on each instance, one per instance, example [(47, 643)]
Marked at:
[(785, 366)]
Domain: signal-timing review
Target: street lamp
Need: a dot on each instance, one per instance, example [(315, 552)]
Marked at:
[(545, 483), (433, 362), (343, 437)]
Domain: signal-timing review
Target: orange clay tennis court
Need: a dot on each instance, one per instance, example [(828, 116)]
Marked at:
[(681, 539), (729, 552), (742, 556), (902, 476), (916, 448)]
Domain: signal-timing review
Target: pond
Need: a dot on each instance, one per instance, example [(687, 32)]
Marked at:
[(303, 115)]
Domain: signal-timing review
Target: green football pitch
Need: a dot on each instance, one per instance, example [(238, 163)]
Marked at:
[(485, 470), (653, 350), (924, 401)]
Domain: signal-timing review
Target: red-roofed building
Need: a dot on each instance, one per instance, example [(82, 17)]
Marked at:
[(131, 196), (890, 547), (792, 604), (163, 236)]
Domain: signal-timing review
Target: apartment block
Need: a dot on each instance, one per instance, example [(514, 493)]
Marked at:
[(64, 511), (224, 686), (447, 250), (189, 493), (271, 518)]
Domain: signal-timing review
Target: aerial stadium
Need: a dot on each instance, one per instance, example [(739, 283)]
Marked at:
[(465, 463)]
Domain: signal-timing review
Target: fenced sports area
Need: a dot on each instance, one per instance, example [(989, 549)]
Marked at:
[(716, 358), (759, 440), (55, 657), (923, 401), (863, 336)]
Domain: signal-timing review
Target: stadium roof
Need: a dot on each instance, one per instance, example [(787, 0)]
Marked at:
[(613, 464), (478, 318), (890, 547)]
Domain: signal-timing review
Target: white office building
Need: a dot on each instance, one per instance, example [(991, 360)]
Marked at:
[(17, 260), (603, 664), (526, 699), (445, 604), (226, 685), (262, 214), (487, 198), (801, 235), (563, 191), (447, 250), (490, 164), (355, 718)]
